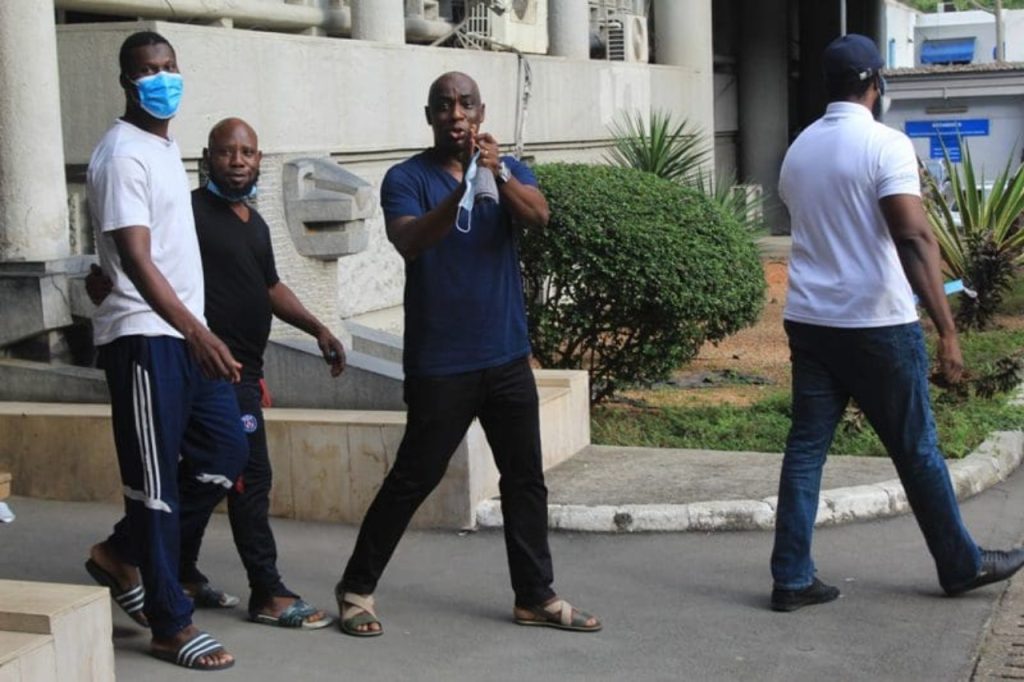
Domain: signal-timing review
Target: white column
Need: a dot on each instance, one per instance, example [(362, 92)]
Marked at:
[(569, 29), (682, 37), (33, 193), (381, 21)]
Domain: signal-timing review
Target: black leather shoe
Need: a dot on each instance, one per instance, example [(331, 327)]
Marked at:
[(815, 593), (996, 565)]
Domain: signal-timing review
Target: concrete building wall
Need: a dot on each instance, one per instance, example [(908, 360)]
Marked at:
[(900, 21), (989, 153), (361, 104), (945, 25)]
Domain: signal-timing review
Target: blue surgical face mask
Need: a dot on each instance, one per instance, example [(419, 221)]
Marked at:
[(160, 94), (477, 184), (228, 195)]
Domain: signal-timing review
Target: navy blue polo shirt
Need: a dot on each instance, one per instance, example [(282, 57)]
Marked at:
[(464, 308)]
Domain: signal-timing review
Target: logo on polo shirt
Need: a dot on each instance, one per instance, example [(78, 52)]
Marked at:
[(249, 423)]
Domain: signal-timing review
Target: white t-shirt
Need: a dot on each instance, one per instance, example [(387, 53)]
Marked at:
[(137, 178), (844, 270)]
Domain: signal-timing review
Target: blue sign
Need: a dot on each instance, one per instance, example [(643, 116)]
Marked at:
[(947, 133), (952, 147), (966, 127)]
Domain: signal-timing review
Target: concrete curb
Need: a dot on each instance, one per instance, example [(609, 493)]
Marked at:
[(990, 463)]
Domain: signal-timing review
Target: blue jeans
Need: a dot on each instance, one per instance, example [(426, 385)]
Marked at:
[(885, 370)]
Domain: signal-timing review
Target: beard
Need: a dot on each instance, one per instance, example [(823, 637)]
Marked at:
[(231, 193)]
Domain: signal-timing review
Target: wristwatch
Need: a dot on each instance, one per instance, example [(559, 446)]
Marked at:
[(504, 174)]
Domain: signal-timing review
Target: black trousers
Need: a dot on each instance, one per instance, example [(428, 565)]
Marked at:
[(441, 409), (248, 510)]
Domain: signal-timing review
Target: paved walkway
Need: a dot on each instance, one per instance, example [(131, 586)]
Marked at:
[(688, 606)]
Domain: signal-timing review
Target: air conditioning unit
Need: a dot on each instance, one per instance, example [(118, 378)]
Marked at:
[(625, 37), (522, 24)]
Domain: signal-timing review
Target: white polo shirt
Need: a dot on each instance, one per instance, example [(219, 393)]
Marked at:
[(137, 178), (844, 270)]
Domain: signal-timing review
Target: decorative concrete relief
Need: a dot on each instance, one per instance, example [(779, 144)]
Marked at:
[(326, 208)]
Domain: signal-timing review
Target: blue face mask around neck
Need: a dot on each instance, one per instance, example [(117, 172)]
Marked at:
[(228, 195), (160, 94)]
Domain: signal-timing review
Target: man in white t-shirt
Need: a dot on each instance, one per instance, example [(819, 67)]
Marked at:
[(862, 246), (165, 370)]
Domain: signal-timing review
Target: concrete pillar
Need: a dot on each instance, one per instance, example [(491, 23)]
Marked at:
[(569, 29), (33, 193), (682, 37), (763, 102), (382, 21)]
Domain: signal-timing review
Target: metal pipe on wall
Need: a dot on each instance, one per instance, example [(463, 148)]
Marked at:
[(244, 13)]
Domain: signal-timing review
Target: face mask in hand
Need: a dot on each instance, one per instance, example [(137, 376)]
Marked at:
[(160, 94), (477, 185)]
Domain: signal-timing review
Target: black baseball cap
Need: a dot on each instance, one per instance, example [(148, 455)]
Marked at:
[(852, 57)]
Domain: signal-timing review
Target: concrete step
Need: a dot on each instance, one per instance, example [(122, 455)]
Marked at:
[(375, 342), (328, 464), (76, 620), (25, 657)]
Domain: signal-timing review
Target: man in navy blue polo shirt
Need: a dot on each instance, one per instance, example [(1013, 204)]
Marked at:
[(454, 212)]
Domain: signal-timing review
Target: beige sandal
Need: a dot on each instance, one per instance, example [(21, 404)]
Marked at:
[(558, 614), (357, 610)]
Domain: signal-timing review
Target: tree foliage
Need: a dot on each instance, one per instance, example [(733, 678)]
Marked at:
[(633, 275), (962, 5)]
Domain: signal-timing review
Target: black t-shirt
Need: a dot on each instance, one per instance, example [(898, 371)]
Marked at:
[(238, 269)]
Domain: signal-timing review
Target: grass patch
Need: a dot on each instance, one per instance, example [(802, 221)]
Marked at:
[(763, 426)]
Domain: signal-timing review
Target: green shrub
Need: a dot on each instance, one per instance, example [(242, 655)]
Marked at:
[(633, 274)]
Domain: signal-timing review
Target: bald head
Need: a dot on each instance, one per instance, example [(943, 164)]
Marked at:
[(455, 112), (231, 127), (453, 79), (233, 158)]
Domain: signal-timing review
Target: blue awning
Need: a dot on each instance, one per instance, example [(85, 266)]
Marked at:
[(948, 51)]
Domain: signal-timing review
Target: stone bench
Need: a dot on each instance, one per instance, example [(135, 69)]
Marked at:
[(55, 633), (328, 464)]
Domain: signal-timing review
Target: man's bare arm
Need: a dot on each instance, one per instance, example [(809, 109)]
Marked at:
[(919, 253), (412, 236), (133, 247), (287, 306)]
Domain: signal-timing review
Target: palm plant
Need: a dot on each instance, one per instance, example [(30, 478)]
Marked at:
[(735, 200), (979, 233), (657, 145)]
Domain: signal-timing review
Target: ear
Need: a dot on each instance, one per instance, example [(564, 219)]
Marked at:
[(483, 112), (259, 158), (426, 112)]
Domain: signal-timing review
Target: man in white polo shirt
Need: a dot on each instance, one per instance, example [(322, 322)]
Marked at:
[(165, 370), (862, 246)]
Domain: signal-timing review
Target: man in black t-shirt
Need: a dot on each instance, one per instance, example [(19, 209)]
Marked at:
[(242, 293)]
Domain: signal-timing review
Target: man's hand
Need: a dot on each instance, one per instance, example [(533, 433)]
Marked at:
[(950, 362), (490, 155), (213, 356), (97, 285), (333, 351)]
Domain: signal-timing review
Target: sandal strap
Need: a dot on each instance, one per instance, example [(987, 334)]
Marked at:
[(562, 609), (201, 645), (132, 600), (296, 613), (357, 604)]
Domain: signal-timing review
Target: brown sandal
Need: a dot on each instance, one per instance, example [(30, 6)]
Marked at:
[(558, 614)]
